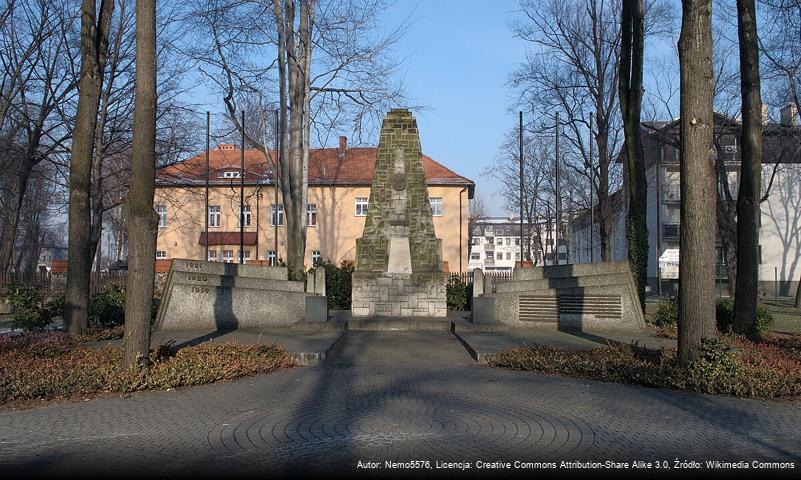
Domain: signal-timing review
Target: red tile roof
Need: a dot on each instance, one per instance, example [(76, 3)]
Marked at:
[(227, 238), (327, 166)]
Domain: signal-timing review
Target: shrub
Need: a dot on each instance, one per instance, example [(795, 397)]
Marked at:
[(728, 365), (724, 316), (459, 296), (667, 312), (338, 284), (55, 365), (108, 308), (667, 315), (27, 308)]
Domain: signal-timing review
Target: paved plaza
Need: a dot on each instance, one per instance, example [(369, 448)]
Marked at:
[(391, 396)]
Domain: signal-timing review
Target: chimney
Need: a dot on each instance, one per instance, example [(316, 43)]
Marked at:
[(343, 145), (788, 114)]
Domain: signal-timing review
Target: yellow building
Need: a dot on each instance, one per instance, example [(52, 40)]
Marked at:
[(339, 191)]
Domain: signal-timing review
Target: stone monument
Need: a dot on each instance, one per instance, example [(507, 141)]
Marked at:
[(398, 258)]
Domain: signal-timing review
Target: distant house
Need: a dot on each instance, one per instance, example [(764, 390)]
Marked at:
[(339, 191), (495, 244), (780, 227), (48, 253)]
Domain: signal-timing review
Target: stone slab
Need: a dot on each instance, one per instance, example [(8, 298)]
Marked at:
[(316, 309), (233, 269), (215, 280), (391, 324), (484, 310), (484, 345)]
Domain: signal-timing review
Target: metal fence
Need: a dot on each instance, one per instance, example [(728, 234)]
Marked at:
[(46, 282), (492, 278)]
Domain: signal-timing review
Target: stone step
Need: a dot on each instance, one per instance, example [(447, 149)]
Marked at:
[(389, 324)]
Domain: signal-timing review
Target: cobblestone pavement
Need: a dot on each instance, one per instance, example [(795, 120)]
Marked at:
[(391, 396)]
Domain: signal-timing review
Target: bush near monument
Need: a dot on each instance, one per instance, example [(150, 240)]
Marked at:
[(459, 295), (729, 365), (666, 316), (338, 284), (30, 312), (48, 366)]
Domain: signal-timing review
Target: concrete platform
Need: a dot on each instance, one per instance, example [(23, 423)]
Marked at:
[(308, 346), (483, 345)]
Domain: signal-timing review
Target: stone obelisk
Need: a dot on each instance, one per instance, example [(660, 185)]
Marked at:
[(399, 258)]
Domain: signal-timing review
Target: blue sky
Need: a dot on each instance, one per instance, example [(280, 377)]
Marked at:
[(457, 57)]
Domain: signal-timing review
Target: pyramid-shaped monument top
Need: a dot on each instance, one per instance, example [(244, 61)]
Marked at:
[(399, 230)]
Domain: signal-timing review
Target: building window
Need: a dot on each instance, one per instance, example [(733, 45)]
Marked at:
[(517, 256), (280, 215), (271, 257), (490, 255), (500, 256), (214, 215), (517, 241), (212, 255), (498, 230), (311, 215), (245, 215), (229, 174), (315, 257), (475, 256), (228, 256), (670, 231), (508, 255), (246, 256), (436, 206), (490, 240), (162, 211), (361, 206), (476, 241), (161, 254)]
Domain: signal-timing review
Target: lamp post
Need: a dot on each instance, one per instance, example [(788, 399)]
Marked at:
[(206, 181), (520, 134)]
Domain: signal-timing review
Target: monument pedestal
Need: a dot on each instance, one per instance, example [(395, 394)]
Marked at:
[(399, 294)]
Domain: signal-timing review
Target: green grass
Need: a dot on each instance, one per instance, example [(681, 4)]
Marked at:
[(786, 319)]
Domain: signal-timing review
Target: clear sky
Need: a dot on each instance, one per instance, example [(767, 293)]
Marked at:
[(457, 57)]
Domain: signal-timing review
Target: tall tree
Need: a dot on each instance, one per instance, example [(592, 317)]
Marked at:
[(748, 196), (142, 218), (697, 235), (630, 88), (94, 45)]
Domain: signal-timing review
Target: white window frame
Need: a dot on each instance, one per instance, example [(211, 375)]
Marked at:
[(161, 254), (229, 174), (362, 206), (311, 215), (247, 214), (215, 216), (271, 257), (280, 215), (212, 256), (162, 211), (246, 257), (228, 256), (436, 206), (316, 257)]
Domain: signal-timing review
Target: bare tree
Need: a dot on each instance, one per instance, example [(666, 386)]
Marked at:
[(37, 81), (697, 234), (332, 70), (94, 45), (630, 87), (142, 218), (748, 195)]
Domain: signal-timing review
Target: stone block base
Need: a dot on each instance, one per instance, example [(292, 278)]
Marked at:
[(399, 295)]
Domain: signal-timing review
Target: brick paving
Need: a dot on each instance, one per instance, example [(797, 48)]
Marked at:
[(390, 396)]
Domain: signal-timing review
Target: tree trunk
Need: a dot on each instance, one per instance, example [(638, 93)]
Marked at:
[(94, 44), (630, 91), (142, 218), (9, 236), (749, 193), (698, 193), (607, 220)]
